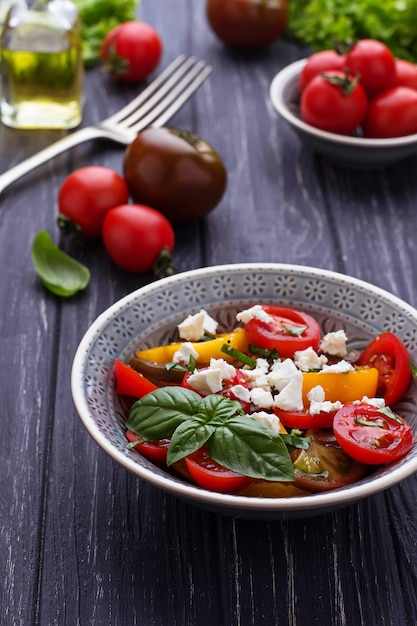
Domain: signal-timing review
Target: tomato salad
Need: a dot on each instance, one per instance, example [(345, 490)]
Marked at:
[(272, 408)]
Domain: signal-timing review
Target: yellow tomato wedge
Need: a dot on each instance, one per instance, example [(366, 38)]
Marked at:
[(206, 349), (346, 387)]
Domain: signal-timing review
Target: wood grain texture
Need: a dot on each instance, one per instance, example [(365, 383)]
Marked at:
[(82, 542)]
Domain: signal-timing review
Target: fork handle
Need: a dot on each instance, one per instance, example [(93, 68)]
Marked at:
[(67, 142)]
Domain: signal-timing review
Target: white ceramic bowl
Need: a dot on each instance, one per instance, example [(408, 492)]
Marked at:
[(356, 152), (149, 316)]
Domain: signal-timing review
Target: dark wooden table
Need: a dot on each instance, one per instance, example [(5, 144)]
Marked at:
[(83, 542)]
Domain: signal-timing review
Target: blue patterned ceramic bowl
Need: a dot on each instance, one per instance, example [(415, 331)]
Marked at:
[(148, 317), (354, 152)]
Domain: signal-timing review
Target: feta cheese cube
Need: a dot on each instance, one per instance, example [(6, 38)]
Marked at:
[(206, 381), (228, 371), (240, 392), (341, 367), (308, 359), (261, 398), (290, 398), (324, 407), (316, 394), (281, 373), (183, 355), (270, 420), (255, 312), (334, 343), (194, 327)]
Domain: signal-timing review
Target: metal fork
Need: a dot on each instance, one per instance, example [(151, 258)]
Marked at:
[(154, 106)]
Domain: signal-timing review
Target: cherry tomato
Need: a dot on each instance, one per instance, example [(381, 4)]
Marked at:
[(130, 382), (374, 62), (303, 419), (393, 113), (390, 357), (288, 331), (247, 24), (131, 51), (406, 73), (370, 435), (210, 475), (155, 451), (322, 61), (86, 195), (325, 465), (334, 102), (175, 172), (135, 236)]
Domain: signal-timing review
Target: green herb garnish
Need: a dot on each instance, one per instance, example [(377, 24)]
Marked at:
[(239, 356), (59, 272), (297, 331), (263, 352), (235, 440)]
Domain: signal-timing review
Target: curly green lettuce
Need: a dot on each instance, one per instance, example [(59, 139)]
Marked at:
[(321, 23), (98, 17)]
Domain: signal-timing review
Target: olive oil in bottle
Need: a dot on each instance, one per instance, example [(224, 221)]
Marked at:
[(42, 67)]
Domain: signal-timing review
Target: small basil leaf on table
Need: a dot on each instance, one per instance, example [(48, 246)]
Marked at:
[(58, 272)]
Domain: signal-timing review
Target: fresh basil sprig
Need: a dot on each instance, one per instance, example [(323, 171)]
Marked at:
[(235, 440)]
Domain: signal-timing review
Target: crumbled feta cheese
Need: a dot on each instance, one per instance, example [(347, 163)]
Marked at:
[(324, 407), (257, 377), (240, 393), (270, 420), (290, 398), (255, 312), (341, 367), (206, 381), (334, 343), (281, 373), (228, 371), (261, 398), (379, 403), (184, 353), (194, 327), (308, 359), (316, 394)]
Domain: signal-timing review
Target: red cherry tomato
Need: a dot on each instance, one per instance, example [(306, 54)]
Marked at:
[(324, 465), (86, 195), (374, 62), (334, 102), (303, 419), (247, 24), (390, 357), (322, 61), (131, 51), (155, 451), (130, 382), (175, 172), (135, 236), (393, 113), (370, 435), (288, 331), (212, 476), (406, 73)]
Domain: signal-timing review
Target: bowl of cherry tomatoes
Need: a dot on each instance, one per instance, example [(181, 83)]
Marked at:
[(144, 386), (358, 108)]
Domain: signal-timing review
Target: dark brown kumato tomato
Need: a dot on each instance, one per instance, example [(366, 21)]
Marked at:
[(175, 172), (247, 24)]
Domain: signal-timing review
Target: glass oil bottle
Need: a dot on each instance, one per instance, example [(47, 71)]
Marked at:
[(41, 65)]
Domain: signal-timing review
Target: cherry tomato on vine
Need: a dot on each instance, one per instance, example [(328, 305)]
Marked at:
[(212, 476), (135, 236), (176, 172), (390, 357), (371, 435), (86, 195), (155, 451), (318, 62), (334, 102), (374, 62), (131, 51), (406, 73), (324, 465), (288, 331), (247, 24), (393, 113)]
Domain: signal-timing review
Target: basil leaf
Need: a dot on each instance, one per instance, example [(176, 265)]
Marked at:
[(59, 273), (247, 447), (239, 356), (189, 437), (389, 413), (293, 441), (157, 415), (218, 408)]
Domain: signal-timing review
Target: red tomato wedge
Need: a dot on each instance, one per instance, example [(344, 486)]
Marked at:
[(210, 475), (371, 435), (129, 382), (390, 357), (155, 451), (288, 331)]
